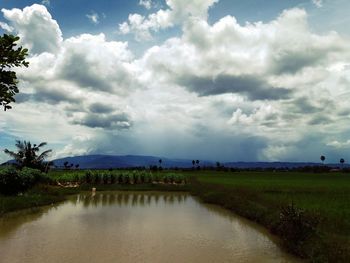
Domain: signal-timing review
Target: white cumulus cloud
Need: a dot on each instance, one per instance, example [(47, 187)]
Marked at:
[(146, 4), (259, 90), (36, 28), (318, 3), (6, 27), (177, 12), (46, 2), (93, 17)]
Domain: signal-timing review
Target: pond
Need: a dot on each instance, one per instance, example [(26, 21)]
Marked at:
[(134, 227)]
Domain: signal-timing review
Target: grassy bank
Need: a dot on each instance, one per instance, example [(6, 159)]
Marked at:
[(310, 212), (36, 197)]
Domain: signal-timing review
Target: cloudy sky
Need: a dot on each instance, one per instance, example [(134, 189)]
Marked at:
[(225, 80)]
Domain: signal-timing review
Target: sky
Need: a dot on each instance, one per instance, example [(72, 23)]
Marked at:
[(221, 80)]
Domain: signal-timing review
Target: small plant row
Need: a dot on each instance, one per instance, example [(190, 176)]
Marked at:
[(130, 177)]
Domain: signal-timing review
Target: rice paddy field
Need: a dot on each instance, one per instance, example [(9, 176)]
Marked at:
[(327, 194), (315, 205)]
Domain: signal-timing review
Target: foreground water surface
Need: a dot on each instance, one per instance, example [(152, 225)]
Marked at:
[(134, 227)]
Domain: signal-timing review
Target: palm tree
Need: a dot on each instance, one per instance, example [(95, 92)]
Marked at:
[(342, 161), (28, 155), (322, 158)]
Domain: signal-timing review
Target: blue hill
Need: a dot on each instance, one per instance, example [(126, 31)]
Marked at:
[(127, 161)]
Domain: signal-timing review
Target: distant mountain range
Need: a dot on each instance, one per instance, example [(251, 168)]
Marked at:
[(126, 161)]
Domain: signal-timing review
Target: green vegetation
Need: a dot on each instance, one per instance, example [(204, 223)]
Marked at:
[(104, 177), (27, 155), (310, 212), (38, 196), (10, 56), (13, 181)]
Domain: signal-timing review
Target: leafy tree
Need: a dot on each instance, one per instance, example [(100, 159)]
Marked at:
[(322, 158), (198, 167), (193, 162), (10, 56), (28, 155)]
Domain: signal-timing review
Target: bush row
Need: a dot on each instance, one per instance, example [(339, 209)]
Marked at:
[(13, 181)]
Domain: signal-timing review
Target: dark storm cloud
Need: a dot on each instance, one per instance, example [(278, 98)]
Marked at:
[(55, 96), (117, 121), (292, 62), (344, 113), (226, 147), (23, 97), (79, 70), (253, 87), (52, 97), (320, 120), (100, 108), (302, 105)]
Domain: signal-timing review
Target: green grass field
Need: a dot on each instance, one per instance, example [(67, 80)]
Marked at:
[(328, 194), (261, 196)]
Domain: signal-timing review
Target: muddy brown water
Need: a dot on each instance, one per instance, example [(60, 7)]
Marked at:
[(135, 227)]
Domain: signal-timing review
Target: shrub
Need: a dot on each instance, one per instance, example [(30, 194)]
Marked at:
[(88, 177), (105, 178), (76, 178), (13, 181), (29, 177), (126, 179), (135, 177), (112, 178), (9, 181), (165, 179), (97, 178), (157, 178), (142, 177), (120, 178), (295, 227)]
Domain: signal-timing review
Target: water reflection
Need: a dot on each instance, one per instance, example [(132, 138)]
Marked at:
[(9, 223), (134, 227), (125, 199)]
